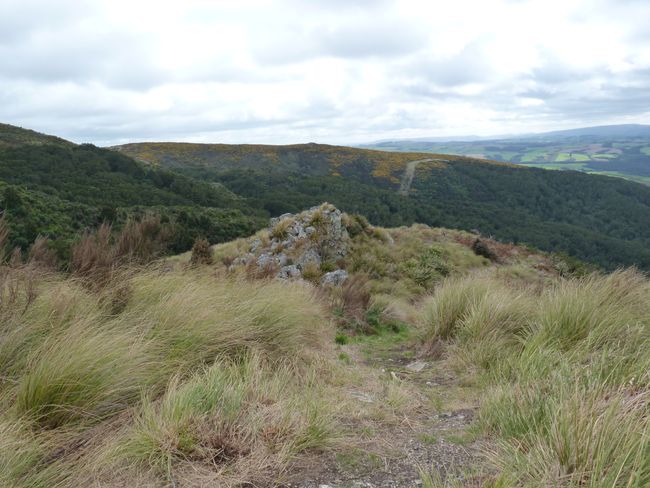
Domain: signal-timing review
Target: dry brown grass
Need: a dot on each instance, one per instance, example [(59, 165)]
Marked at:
[(98, 254)]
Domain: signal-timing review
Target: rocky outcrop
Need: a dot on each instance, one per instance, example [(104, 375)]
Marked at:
[(304, 245)]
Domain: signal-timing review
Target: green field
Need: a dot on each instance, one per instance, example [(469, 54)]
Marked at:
[(585, 169), (616, 156), (604, 156), (571, 157)]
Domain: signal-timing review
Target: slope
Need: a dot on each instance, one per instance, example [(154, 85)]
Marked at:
[(56, 188), (595, 218)]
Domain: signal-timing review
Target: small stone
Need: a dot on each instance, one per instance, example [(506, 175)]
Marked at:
[(416, 366), (334, 278), (364, 397), (264, 260), (288, 272), (255, 245)]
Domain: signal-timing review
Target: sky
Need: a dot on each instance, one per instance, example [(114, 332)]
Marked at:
[(330, 71)]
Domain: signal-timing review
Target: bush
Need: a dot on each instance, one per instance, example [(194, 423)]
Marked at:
[(201, 253), (482, 248)]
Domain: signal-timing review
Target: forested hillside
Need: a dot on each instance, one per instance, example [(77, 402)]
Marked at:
[(58, 189), (595, 218)]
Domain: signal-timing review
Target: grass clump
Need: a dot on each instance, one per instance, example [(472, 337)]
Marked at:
[(195, 380), (565, 371)]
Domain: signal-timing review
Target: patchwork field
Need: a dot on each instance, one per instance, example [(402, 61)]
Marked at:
[(623, 157)]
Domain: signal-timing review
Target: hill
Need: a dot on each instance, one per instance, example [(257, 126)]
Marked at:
[(617, 150), (595, 218), (11, 135), (56, 188), (505, 366), (620, 130)]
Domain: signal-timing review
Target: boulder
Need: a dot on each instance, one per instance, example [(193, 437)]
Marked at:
[(307, 239), (334, 278)]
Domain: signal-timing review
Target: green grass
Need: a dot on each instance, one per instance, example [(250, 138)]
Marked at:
[(533, 156), (604, 156), (563, 156)]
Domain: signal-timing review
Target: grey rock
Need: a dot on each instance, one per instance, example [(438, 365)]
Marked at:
[(334, 278), (311, 255), (281, 259), (289, 272), (416, 366), (264, 260), (304, 244), (255, 245)]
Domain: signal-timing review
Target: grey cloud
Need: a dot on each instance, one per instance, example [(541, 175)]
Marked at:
[(357, 38), (468, 66), (61, 76), (370, 39)]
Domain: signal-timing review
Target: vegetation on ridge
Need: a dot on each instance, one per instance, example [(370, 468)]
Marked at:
[(191, 374), (594, 218)]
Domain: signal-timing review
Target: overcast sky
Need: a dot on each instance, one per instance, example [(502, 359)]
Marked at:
[(335, 71)]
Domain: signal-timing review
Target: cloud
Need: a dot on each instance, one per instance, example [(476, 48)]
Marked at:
[(329, 71)]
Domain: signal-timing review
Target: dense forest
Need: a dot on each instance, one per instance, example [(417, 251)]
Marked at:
[(61, 190)]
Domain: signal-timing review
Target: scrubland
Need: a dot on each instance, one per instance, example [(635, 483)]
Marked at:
[(119, 372)]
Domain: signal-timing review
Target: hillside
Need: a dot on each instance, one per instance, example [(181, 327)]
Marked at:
[(57, 189), (599, 219), (11, 135), (618, 150), (441, 360)]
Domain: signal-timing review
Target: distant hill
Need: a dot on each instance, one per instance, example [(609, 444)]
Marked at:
[(621, 130), (600, 219), (612, 150)]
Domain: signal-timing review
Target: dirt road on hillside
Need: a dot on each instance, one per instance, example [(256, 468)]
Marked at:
[(409, 173)]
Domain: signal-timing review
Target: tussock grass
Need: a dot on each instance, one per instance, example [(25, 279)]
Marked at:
[(192, 378), (566, 372), (409, 261)]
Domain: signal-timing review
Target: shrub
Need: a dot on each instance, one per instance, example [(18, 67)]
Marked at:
[(92, 257), (41, 255), (355, 224), (482, 248), (312, 272), (281, 229), (201, 253)]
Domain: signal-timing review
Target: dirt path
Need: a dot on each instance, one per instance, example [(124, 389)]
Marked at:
[(409, 173), (429, 432)]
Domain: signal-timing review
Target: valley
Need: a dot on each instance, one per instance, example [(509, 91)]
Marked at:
[(618, 151)]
